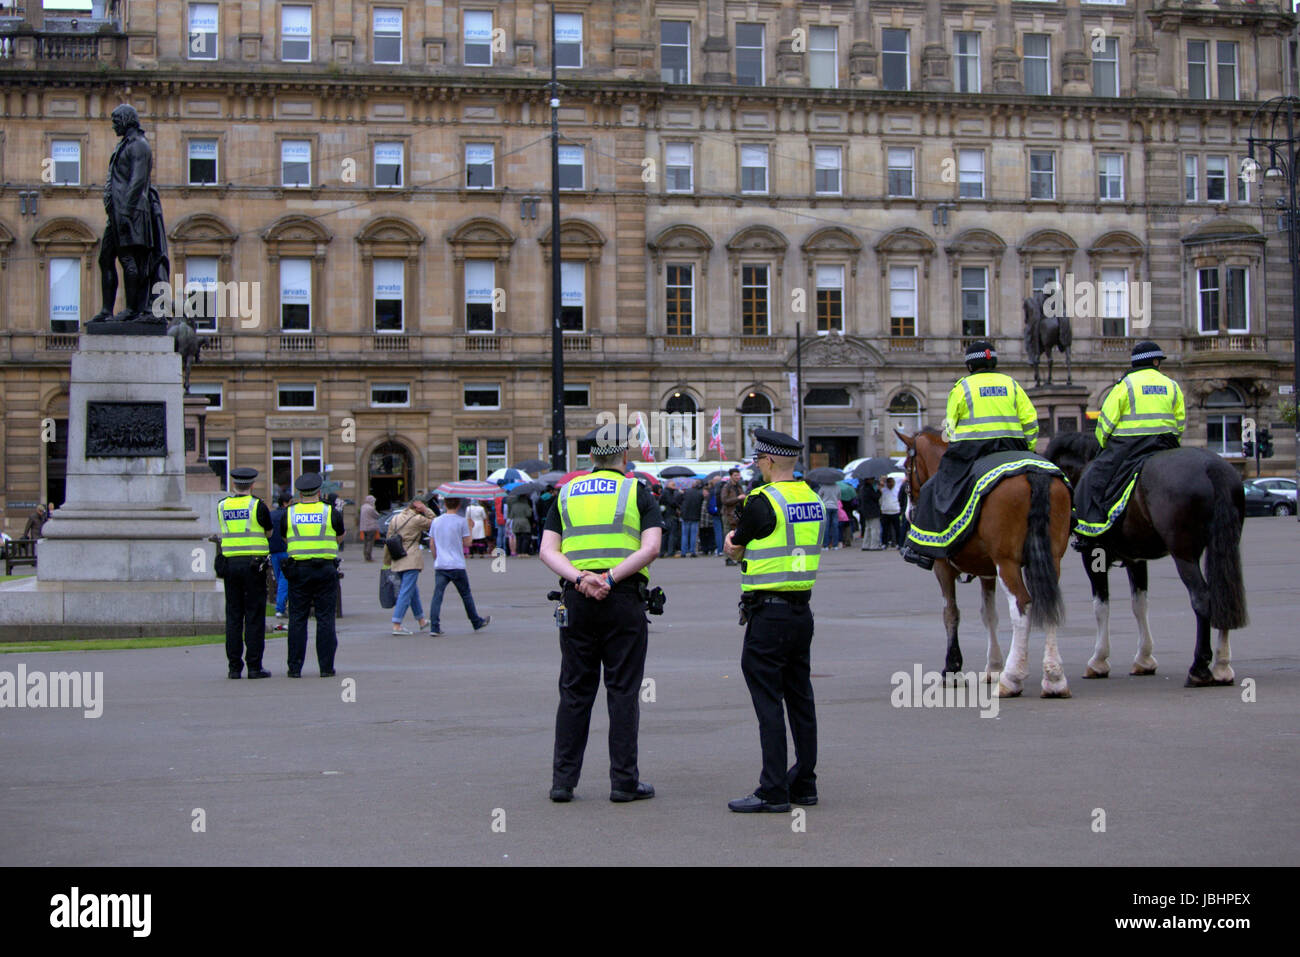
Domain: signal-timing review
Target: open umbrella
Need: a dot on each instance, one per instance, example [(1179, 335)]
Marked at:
[(823, 475), (874, 468), (677, 471), (508, 476), (720, 473), (532, 466), (645, 478), (470, 489), (550, 478), (847, 491), (682, 483), (576, 473), (527, 488)]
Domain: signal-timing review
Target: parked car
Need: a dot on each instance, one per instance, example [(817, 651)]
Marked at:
[(1261, 501), (1282, 486)]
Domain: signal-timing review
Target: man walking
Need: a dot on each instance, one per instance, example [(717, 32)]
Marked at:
[(869, 509), (368, 523), (603, 532), (449, 537), (311, 530), (729, 499), (692, 503), (778, 539), (243, 522)]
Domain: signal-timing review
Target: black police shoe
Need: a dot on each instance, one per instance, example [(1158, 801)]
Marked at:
[(327, 674), (234, 673), (643, 792), (916, 558), (258, 673), (561, 795), (295, 674), (754, 804), (803, 800)]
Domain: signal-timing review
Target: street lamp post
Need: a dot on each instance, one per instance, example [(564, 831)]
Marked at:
[(1273, 137), (559, 450)]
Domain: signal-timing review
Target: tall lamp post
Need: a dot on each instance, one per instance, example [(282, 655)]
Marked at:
[(559, 450), (1274, 147)]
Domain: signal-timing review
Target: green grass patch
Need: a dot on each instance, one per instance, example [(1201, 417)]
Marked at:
[(116, 644), (9, 578)]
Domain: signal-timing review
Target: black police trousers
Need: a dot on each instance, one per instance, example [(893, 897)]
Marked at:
[(776, 665), (613, 633), (245, 613), (312, 584)]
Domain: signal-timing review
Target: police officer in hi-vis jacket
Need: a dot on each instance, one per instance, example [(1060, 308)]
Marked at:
[(243, 523), (311, 529)]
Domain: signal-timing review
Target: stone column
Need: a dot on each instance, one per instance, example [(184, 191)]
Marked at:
[(790, 65), (1007, 76), (936, 61), (862, 55), (717, 69), (1076, 64), (1146, 81)]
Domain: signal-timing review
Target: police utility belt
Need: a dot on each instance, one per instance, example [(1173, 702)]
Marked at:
[(751, 601)]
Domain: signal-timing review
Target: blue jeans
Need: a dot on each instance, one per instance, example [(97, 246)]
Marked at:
[(503, 539), (408, 596), (281, 583), (690, 533), (460, 578), (719, 533), (831, 538)]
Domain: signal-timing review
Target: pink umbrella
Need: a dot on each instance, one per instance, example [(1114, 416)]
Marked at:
[(470, 489)]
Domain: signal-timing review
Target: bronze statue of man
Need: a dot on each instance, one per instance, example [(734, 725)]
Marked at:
[(134, 235)]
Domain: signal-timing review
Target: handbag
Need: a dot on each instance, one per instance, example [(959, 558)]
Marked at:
[(393, 543), (387, 588)]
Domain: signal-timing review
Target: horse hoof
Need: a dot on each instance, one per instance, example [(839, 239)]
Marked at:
[(954, 679), (1196, 681), (1090, 672), (1063, 693), (1142, 672), (1005, 692), (989, 677), (1220, 682)]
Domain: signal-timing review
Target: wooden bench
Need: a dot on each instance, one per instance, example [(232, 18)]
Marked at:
[(19, 551)]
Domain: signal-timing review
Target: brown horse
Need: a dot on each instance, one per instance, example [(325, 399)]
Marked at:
[(1022, 532)]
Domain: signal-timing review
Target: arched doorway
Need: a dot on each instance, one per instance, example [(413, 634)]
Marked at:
[(755, 413), (390, 475), (904, 415), (679, 433), (54, 440)]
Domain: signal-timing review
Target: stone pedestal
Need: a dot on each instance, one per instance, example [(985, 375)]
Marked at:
[(1061, 408), (125, 554)]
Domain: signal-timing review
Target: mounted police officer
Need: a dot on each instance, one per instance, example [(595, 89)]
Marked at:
[(987, 412), (1143, 414), (777, 540), (243, 523), (311, 529), (600, 536)]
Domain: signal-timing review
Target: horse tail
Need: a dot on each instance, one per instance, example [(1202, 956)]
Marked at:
[(1223, 556), (1046, 606)]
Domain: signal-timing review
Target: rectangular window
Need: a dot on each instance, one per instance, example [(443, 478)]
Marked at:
[(389, 159), (480, 280), (901, 160), (211, 391), (1216, 179), (479, 396), (1105, 68), (219, 460), (572, 167), (478, 38), (203, 162), (1243, 182), (65, 295), (1207, 282), (1191, 179), (203, 31), (830, 298), (679, 296), (968, 62), (467, 459), (389, 293), (295, 162), (679, 163), (1226, 55), (296, 396), (1042, 174), (753, 300), (1114, 302), (1043, 279), (894, 69), (282, 463), (826, 175), (970, 173), (749, 54), (295, 295), (974, 301), (902, 300), (577, 396), (1110, 175), (753, 169), (311, 454), (495, 457), (675, 51), (1038, 64), (479, 161), (295, 34), (1223, 434), (823, 57), (573, 297), (568, 40), (1236, 299), (387, 34), (389, 395), (200, 287), (67, 162), (1198, 69)]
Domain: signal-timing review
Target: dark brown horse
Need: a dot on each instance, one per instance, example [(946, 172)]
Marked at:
[(1022, 532), (1187, 503)]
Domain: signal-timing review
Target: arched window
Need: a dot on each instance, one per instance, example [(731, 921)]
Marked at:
[(1223, 428), (678, 430), (904, 415), (755, 413)]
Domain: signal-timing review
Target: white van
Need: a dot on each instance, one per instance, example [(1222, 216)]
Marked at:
[(700, 468)]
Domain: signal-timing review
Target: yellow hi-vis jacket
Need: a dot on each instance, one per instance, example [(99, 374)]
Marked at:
[(309, 532), (1144, 402), (990, 405), (240, 533), (599, 521), (787, 559)]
